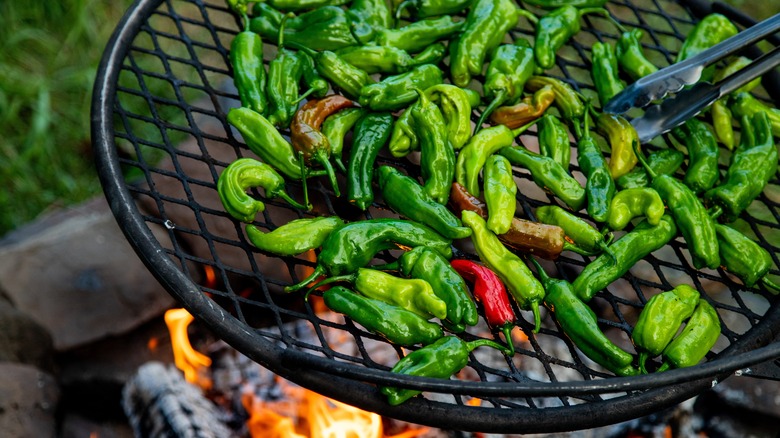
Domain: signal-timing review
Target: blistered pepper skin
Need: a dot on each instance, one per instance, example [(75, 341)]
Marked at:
[(697, 338)]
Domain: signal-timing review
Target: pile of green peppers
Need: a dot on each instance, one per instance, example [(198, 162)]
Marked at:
[(353, 82)]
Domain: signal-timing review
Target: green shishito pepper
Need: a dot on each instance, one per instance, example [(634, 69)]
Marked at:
[(752, 165), (370, 135), (695, 223), (393, 323), (580, 324), (440, 360), (663, 162), (437, 157), (721, 114), (335, 128), (396, 92), (294, 237), (632, 203), (375, 13), (702, 172), (557, 27), (388, 59), (708, 32), (510, 67), (520, 281), (744, 104), (566, 98), (284, 74), (697, 338), (355, 244), (339, 72), (324, 28), (500, 192), (621, 136), (249, 76), (554, 140), (600, 187), (419, 35), (487, 23), (744, 257), (267, 143), (302, 5), (431, 8), (548, 174), (408, 198), (580, 232), (627, 250), (412, 294), (311, 77), (428, 265), (554, 4), (604, 70), (660, 320), (245, 173), (631, 57)]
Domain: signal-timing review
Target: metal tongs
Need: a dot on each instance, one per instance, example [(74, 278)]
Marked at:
[(673, 112)]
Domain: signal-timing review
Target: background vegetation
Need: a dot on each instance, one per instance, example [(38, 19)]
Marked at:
[(50, 52)]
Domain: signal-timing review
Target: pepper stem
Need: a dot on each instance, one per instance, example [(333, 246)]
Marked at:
[(340, 164), (539, 270), (522, 129), (282, 25), (401, 8), (339, 278), (498, 100), (642, 160), (308, 51), (530, 16), (352, 28), (576, 249), (302, 163), (303, 96), (715, 211), (507, 330), (245, 17), (606, 14), (318, 271), (642, 361), (325, 162), (282, 194), (537, 316), (665, 366), (773, 287), (471, 345)]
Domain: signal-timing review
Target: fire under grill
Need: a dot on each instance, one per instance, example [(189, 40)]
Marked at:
[(160, 132)]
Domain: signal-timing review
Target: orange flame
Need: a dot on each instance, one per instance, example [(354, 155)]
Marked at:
[(192, 363)]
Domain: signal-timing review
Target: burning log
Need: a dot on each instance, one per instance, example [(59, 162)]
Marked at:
[(158, 402)]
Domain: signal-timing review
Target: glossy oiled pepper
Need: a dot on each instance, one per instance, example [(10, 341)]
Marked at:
[(284, 74), (745, 104), (524, 287), (340, 73), (396, 92), (455, 104), (556, 28), (388, 59), (721, 114), (702, 172), (370, 136), (697, 338), (408, 198), (545, 241), (626, 251), (324, 28), (437, 157), (428, 265), (491, 292), (580, 324), (621, 137), (245, 173), (500, 192), (403, 139), (294, 237), (577, 230), (554, 4), (411, 294), (548, 174), (604, 71), (660, 320), (510, 67), (711, 30), (440, 360), (299, 5), (693, 220), (744, 257), (632, 203), (335, 128), (631, 56), (663, 162), (375, 13), (554, 140), (267, 143), (311, 77), (355, 244), (306, 136), (566, 99), (431, 8), (600, 187), (249, 76), (752, 165), (393, 323), (486, 24), (530, 108), (419, 35)]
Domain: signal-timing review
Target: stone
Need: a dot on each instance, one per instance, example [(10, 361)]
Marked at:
[(24, 341), (79, 277), (28, 401)]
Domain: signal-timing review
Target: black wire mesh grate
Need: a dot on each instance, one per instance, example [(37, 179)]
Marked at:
[(170, 92)]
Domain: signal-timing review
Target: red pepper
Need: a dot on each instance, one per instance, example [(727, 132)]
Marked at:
[(491, 292)]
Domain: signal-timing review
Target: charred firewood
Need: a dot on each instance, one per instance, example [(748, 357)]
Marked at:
[(158, 402)]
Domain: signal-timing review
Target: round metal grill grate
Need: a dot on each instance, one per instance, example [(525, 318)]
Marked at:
[(162, 139)]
